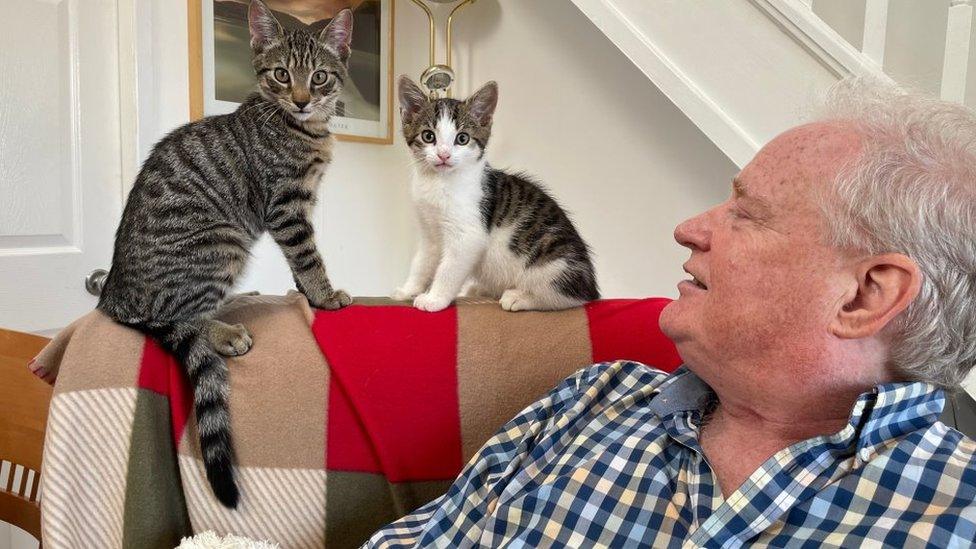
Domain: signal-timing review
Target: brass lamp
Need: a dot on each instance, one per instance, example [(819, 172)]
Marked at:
[(438, 77)]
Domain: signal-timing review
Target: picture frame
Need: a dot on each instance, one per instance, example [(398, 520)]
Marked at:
[(219, 61)]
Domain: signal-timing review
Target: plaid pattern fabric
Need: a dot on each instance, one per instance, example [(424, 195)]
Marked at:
[(610, 458), (342, 420)]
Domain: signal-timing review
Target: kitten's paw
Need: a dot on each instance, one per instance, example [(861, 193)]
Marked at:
[(231, 340), (404, 294), (431, 303), (517, 300), (337, 300)]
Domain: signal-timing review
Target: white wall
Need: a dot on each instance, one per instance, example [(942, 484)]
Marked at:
[(844, 16), (915, 46)]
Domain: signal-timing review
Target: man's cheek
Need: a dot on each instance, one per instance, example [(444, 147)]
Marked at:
[(746, 281)]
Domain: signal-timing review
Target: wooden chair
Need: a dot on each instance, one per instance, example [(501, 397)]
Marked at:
[(24, 401)]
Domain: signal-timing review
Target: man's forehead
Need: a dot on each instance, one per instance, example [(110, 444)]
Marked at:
[(800, 157)]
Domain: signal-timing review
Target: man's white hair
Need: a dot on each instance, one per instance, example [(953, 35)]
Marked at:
[(912, 190)]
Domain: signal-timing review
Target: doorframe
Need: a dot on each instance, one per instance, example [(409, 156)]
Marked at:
[(153, 77), (128, 91)]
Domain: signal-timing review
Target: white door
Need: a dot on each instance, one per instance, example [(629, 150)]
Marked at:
[(60, 156)]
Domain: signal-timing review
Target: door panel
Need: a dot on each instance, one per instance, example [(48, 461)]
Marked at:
[(60, 156)]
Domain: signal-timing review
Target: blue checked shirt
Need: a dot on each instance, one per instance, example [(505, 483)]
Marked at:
[(610, 458)]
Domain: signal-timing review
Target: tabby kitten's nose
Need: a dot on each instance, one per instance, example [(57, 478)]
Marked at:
[(301, 104)]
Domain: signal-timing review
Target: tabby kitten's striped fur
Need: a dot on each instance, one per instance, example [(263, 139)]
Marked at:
[(207, 192), (500, 233)]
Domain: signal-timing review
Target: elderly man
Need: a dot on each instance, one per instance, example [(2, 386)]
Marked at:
[(830, 305)]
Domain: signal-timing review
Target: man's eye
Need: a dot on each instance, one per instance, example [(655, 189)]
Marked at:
[(739, 213)]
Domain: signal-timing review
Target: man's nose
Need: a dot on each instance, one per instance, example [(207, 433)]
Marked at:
[(694, 233)]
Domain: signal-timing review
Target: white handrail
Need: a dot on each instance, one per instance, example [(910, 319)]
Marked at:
[(837, 54)]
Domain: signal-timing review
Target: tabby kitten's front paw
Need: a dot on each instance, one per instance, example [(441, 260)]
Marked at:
[(337, 300), (431, 303)]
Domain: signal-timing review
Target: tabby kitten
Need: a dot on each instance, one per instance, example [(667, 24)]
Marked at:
[(499, 232), (207, 192)]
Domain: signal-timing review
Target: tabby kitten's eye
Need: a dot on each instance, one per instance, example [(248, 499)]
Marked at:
[(281, 75), (320, 77), (428, 136), (462, 138)]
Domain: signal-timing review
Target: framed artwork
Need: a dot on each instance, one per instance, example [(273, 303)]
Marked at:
[(221, 75)]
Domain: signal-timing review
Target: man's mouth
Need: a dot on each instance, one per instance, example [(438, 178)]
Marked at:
[(694, 280)]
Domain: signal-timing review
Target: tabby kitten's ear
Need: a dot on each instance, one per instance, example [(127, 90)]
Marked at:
[(338, 34), (481, 104), (412, 98), (263, 25)]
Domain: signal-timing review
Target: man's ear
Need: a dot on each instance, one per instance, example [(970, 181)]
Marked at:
[(885, 286)]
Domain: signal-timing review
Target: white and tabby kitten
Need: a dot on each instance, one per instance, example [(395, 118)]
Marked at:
[(499, 233)]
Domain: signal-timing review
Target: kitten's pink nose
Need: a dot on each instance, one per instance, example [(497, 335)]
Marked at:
[(444, 156)]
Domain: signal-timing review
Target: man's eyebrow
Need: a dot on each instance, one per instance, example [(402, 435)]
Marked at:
[(739, 191)]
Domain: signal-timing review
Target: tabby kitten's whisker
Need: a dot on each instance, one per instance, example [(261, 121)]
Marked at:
[(264, 122), (257, 106)]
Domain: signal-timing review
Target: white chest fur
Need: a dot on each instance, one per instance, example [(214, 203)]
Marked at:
[(457, 249), (449, 208), (449, 205)]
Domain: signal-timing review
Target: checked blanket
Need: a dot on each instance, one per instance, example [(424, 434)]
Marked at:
[(343, 421)]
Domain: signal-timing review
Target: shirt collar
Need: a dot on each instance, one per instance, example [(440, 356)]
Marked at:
[(683, 391), (885, 413), (890, 411)]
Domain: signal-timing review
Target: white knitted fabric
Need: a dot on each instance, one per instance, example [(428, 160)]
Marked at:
[(210, 540)]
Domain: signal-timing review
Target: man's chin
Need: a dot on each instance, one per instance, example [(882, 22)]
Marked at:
[(673, 319)]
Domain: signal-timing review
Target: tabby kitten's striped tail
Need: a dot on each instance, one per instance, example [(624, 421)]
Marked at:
[(208, 376)]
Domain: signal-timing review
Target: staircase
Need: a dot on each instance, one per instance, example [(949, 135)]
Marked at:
[(743, 70)]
